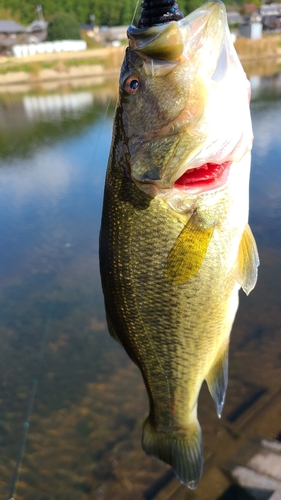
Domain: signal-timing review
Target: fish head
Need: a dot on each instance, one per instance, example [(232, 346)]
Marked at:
[(184, 101)]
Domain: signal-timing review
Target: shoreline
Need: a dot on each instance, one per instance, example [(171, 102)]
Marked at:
[(93, 67), (84, 76), (96, 64)]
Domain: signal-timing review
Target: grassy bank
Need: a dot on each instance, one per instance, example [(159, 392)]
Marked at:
[(44, 67), (258, 57), (35, 68), (269, 46)]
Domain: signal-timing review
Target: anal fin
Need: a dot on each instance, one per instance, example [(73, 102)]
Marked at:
[(217, 379), (114, 335), (248, 261), (112, 331), (187, 255), (181, 449)]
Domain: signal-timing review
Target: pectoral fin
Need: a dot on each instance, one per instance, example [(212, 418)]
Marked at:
[(188, 252), (248, 261), (217, 379)]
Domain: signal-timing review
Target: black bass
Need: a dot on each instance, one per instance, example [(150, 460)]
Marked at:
[(175, 245)]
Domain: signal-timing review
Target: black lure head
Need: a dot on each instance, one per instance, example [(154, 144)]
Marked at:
[(156, 12)]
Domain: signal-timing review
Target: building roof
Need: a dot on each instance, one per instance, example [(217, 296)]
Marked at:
[(270, 10), (10, 27), (86, 27), (250, 7), (37, 25), (234, 18)]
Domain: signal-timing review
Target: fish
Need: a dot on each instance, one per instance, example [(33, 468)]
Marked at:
[(175, 243)]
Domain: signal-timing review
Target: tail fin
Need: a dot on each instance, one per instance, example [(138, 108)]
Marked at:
[(183, 451)]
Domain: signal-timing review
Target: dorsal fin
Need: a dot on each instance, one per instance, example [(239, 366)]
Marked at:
[(189, 250), (248, 261)]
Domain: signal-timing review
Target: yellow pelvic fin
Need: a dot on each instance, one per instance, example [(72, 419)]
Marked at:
[(217, 379), (248, 261), (189, 250)]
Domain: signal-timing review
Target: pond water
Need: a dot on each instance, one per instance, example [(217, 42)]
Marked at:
[(60, 370)]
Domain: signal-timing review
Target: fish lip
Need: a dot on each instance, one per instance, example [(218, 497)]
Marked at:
[(155, 188), (203, 185)]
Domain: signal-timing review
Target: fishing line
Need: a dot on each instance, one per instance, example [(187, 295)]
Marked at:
[(32, 395), (135, 11), (97, 141)]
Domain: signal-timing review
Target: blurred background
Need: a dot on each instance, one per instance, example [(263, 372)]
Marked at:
[(60, 370)]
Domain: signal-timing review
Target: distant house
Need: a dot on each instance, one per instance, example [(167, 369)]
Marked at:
[(273, 9), (116, 33), (10, 31), (37, 31), (88, 28), (255, 21), (250, 8), (8, 28), (234, 18), (105, 34), (271, 23), (251, 30), (271, 16)]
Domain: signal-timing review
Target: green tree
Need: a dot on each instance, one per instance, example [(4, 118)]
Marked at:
[(9, 15), (111, 12), (63, 27), (188, 6)]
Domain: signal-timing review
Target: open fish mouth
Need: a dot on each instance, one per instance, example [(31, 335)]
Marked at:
[(209, 175)]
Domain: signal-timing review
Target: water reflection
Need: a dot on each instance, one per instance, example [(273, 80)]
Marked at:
[(50, 207), (265, 86), (28, 123), (84, 438), (54, 107)]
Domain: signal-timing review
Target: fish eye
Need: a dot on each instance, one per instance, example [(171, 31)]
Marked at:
[(131, 85)]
